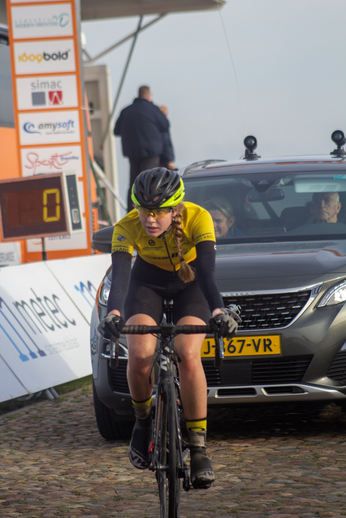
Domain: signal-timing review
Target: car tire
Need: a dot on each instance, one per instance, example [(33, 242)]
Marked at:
[(109, 427)]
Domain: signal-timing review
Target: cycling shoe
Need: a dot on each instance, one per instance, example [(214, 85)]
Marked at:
[(139, 446), (202, 475)]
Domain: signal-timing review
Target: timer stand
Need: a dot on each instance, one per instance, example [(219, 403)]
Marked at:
[(40, 206), (44, 252)]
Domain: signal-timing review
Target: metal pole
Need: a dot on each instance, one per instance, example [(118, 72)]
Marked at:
[(100, 174), (104, 52), (121, 83)]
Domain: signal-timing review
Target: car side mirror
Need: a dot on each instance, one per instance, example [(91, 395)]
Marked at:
[(102, 240)]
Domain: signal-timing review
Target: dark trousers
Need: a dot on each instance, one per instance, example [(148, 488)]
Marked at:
[(136, 167)]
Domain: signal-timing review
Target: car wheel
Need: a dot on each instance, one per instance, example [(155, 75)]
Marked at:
[(109, 427)]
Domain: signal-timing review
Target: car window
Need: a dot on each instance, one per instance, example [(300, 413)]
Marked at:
[(269, 205)]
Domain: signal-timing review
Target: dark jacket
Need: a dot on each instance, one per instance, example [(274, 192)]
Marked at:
[(167, 154), (141, 127)]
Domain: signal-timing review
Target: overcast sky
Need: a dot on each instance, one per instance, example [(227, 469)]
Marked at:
[(289, 59)]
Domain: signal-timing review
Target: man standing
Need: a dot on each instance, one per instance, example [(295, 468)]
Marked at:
[(143, 128)]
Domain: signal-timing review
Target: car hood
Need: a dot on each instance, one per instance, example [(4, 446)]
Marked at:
[(263, 266)]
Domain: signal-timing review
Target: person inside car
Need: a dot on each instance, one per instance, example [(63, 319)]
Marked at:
[(223, 218), (175, 244), (326, 207)]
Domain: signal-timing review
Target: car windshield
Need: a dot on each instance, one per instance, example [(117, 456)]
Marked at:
[(273, 207)]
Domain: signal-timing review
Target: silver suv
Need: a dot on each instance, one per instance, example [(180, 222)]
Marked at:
[(283, 260)]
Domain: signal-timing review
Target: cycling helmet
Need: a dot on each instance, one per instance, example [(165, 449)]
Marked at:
[(160, 183)]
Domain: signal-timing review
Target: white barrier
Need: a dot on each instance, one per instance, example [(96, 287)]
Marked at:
[(45, 311)]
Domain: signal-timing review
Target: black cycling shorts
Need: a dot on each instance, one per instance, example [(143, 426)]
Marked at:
[(150, 286)]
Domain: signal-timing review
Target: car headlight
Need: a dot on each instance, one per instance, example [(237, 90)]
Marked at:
[(335, 295), (104, 291)]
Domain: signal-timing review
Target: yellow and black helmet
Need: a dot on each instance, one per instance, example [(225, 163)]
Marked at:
[(158, 187)]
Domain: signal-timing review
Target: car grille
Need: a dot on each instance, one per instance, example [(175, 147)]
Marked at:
[(269, 311), (337, 370), (252, 372), (256, 372), (118, 379)]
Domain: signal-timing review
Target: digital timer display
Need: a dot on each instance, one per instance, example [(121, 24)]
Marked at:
[(32, 207)]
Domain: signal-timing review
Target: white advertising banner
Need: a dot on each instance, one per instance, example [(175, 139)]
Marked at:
[(81, 289), (44, 337), (10, 385), (42, 92), (45, 313), (51, 127), (46, 56), (45, 160), (42, 21)]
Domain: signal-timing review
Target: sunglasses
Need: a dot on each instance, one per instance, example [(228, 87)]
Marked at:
[(155, 213)]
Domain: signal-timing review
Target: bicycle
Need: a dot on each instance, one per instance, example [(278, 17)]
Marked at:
[(167, 448)]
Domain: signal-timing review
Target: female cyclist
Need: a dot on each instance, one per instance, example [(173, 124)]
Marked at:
[(175, 246)]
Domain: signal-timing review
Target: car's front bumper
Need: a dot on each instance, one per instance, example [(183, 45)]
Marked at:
[(298, 392)]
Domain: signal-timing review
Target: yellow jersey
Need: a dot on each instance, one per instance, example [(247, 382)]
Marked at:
[(197, 226)]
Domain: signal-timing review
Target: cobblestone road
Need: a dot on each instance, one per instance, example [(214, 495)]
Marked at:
[(272, 462)]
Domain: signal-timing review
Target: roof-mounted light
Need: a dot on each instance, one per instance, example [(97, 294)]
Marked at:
[(250, 144), (339, 139)]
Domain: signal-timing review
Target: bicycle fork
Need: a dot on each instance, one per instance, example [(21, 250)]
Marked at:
[(166, 373)]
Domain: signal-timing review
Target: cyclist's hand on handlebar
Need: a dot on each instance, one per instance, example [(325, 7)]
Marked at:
[(226, 323), (111, 327)]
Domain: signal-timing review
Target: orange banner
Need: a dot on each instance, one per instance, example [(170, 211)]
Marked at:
[(49, 109)]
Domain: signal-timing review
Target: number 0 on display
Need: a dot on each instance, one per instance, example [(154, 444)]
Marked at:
[(34, 206)]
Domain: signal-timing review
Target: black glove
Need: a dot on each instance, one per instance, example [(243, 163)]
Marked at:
[(111, 327), (226, 325)]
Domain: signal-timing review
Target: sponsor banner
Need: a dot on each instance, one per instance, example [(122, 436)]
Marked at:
[(49, 127), (45, 312), (10, 386), (42, 92), (48, 103), (44, 337), (10, 254), (41, 21), (45, 160), (82, 290), (41, 57)]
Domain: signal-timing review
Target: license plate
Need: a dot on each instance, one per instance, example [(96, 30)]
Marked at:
[(244, 346)]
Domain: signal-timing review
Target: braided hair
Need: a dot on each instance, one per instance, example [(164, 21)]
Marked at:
[(186, 273)]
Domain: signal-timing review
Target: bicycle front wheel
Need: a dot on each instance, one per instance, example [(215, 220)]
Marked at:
[(168, 472)]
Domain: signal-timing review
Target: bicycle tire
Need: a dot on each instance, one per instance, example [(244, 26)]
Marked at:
[(168, 476)]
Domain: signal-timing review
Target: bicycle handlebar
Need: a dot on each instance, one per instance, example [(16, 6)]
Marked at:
[(166, 329)]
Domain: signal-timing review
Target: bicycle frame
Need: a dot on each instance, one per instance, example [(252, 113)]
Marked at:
[(168, 451), (168, 374)]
